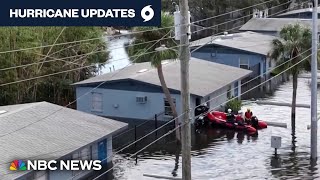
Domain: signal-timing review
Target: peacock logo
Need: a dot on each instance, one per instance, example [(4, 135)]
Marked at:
[(18, 165)]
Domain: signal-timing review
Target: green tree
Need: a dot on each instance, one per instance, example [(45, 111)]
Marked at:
[(146, 52), (55, 89), (294, 40)]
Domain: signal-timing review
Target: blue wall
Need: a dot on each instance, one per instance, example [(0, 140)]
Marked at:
[(122, 104), (229, 56), (302, 15), (119, 103)]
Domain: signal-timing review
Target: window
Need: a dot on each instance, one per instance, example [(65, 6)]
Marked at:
[(76, 156), (167, 108), (85, 153), (244, 63), (229, 92), (97, 102)]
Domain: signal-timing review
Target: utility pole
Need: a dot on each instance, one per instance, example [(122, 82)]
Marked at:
[(314, 74), (185, 95)]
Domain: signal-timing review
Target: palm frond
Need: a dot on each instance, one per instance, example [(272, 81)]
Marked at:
[(294, 40), (139, 46)]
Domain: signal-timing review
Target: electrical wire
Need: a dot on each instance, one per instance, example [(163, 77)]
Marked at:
[(138, 55), (193, 108), (132, 45), (138, 32), (173, 130), (158, 128)]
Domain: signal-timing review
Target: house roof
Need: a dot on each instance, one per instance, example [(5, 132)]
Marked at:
[(47, 131), (298, 11), (273, 24), (246, 41), (205, 76)]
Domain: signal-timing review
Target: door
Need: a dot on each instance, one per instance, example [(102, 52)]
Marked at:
[(102, 151)]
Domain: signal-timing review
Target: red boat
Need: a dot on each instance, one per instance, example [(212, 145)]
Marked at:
[(219, 119)]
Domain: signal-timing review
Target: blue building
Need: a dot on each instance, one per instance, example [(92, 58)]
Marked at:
[(44, 131), (305, 13), (247, 50), (135, 92)]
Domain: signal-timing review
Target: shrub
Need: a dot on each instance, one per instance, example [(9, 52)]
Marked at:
[(234, 105)]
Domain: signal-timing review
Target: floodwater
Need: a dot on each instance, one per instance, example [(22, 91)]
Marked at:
[(117, 53), (221, 154)]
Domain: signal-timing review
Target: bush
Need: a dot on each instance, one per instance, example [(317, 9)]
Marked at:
[(234, 105)]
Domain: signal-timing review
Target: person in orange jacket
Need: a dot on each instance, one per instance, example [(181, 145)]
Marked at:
[(248, 115)]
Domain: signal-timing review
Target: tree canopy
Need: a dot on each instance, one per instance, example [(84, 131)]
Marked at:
[(55, 88)]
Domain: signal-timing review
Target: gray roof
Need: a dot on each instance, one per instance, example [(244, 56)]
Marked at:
[(32, 131), (274, 24), (246, 41), (205, 76), (298, 11)]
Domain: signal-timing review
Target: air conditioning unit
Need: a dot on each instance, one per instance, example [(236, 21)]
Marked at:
[(141, 99)]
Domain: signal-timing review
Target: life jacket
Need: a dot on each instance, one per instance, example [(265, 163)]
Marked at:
[(248, 115)]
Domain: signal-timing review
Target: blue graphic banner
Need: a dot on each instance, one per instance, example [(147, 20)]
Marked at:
[(80, 13)]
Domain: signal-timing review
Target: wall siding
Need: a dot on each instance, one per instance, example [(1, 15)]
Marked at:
[(126, 102), (218, 98), (229, 57), (127, 107)]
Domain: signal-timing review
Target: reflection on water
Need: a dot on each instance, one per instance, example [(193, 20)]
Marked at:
[(225, 154)]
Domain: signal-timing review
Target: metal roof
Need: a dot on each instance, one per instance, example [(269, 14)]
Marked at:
[(246, 41), (32, 131), (205, 76), (274, 24)]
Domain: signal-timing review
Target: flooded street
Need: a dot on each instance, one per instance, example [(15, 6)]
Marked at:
[(117, 53), (222, 154)]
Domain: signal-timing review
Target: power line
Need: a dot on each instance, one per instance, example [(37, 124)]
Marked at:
[(171, 131), (132, 45), (158, 128), (56, 40), (83, 67), (196, 107), (76, 98), (208, 111), (138, 55), (72, 101), (258, 76), (137, 32)]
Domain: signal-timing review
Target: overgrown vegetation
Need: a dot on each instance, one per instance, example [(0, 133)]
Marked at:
[(55, 89)]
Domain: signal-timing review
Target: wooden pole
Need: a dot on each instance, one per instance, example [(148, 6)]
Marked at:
[(185, 94)]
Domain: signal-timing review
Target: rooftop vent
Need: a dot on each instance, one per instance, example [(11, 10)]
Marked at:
[(2, 111), (142, 70)]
